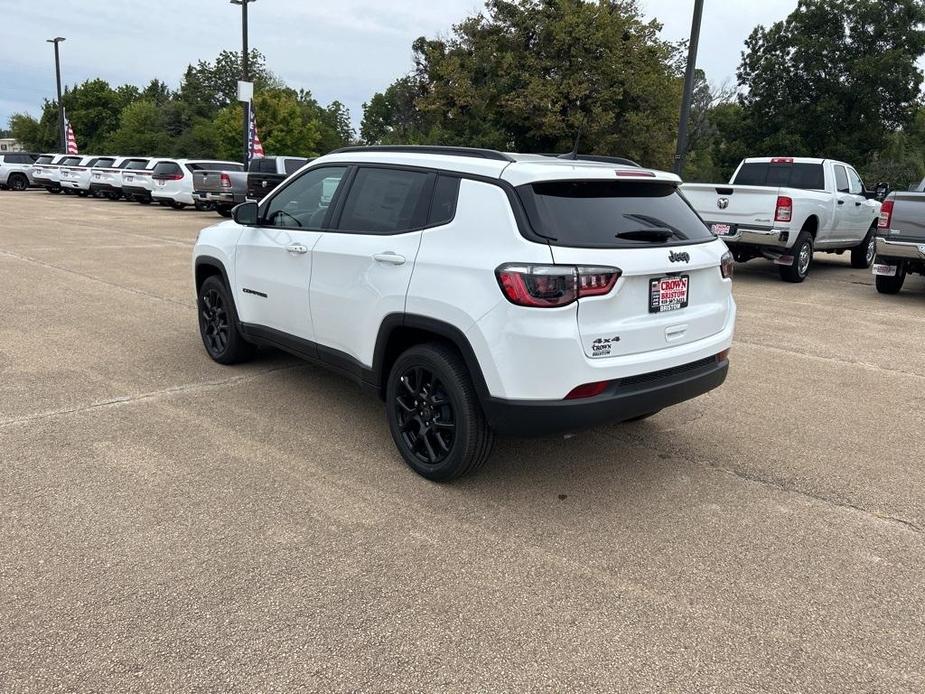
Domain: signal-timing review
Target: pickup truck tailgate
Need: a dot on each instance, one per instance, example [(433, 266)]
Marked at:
[(734, 205), (209, 182)]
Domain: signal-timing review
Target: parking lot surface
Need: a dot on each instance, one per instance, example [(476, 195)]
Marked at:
[(169, 524)]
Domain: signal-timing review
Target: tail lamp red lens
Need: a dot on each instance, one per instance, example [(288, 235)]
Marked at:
[(784, 210), (226, 180), (552, 286), (886, 215)]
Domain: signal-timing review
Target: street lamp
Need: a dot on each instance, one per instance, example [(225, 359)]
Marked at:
[(688, 87), (61, 137), (245, 73)]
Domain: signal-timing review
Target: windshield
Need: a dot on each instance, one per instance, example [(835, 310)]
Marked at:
[(801, 176), (612, 214)]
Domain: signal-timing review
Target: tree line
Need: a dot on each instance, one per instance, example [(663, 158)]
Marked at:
[(835, 78)]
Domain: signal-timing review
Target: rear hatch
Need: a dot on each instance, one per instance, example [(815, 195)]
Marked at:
[(671, 290), (136, 174)]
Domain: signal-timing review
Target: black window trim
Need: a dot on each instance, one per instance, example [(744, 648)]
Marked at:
[(520, 214)]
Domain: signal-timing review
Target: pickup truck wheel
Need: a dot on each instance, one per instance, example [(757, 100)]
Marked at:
[(862, 256), (218, 324), (224, 211), (802, 259), (18, 182), (177, 205), (891, 285), (434, 414)]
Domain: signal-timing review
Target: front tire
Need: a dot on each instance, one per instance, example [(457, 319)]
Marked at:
[(218, 324), (862, 256), (177, 205), (802, 260), (891, 285), (434, 414)]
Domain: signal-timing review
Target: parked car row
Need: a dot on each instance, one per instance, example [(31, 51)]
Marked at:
[(203, 183)]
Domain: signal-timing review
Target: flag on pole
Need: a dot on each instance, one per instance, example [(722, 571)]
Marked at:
[(255, 147), (70, 137)]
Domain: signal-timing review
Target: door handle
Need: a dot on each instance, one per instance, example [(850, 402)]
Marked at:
[(296, 248), (841, 202), (857, 204), (389, 258)]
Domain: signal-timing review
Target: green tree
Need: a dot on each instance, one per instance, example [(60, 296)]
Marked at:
[(532, 74), (142, 130), (834, 78), (33, 134), (208, 86)]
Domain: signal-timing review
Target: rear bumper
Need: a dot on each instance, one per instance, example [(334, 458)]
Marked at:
[(103, 188), (773, 238), (45, 183), (136, 192), (623, 400), (178, 197), (220, 198), (907, 250)]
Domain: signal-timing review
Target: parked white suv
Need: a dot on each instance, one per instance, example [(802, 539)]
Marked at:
[(786, 208), (172, 179), (16, 170), (477, 292)]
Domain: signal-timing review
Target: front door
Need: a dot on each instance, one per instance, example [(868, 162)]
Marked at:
[(273, 264)]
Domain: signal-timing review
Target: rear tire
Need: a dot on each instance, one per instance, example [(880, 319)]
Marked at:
[(18, 182), (177, 205), (54, 191), (802, 259), (224, 211), (891, 285), (218, 324), (862, 256), (434, 414)]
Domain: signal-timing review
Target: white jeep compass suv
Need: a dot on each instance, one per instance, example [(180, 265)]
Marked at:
[(476, 292)]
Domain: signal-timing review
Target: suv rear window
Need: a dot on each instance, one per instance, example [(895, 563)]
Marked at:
[(801, 176), (166, 168), (136, 164), (104, 162), (594, 214)]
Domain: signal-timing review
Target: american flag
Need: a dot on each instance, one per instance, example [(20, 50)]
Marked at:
[(255, 147), (70, 137)]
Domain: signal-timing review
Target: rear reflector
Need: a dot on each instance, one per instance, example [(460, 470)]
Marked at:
[(784, 209), (588, 390), (886, 215), (724, 355)]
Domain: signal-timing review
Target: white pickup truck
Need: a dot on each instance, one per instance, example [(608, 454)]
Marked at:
[(786, 208)]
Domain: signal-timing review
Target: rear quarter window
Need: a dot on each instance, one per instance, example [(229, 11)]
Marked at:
[(595, 214)]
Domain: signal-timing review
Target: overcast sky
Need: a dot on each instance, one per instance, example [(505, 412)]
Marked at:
[(346, 50)]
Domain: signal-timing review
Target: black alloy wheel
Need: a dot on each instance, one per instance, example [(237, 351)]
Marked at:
[(213, 317), (18, 182), (426, 416)]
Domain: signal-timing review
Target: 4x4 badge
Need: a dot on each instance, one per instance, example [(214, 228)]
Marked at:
[(679, 257)]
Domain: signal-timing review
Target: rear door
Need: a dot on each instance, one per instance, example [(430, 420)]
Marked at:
[(671, 291), (273, 263), (362, 268), (845, 227)]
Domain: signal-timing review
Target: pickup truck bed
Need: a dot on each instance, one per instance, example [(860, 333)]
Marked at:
[(900, 241)]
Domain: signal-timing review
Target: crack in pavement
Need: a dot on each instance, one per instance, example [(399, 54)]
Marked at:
[(831, 360), (52, 266), (772, 483), (152, 395)]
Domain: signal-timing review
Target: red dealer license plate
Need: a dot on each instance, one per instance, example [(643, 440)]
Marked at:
[(668, 293)]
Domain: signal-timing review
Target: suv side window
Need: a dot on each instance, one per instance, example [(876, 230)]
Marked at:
[(855, 184), (841, 179), (386, 201), (443, 206), (306, 201)]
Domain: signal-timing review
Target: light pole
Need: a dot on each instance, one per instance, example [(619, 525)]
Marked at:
[(688, 87), (62, 144), (245, 74)]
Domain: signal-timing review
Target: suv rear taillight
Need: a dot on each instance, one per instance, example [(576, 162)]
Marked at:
[(226, 180), (784, 210), (727, 265), (552, 286), (886, 215)]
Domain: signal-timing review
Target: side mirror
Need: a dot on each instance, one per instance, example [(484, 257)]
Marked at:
[(245, 214)]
